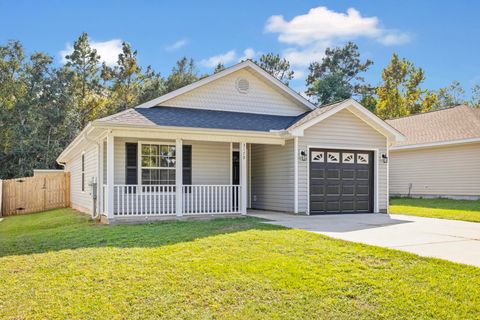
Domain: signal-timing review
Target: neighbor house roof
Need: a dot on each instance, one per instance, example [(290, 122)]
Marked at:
[(459, 123), (199, 118)]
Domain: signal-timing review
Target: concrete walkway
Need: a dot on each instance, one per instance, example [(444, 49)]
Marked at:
[(457, 241)]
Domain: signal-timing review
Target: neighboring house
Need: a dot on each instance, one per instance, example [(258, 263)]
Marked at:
[(235, 140), (440, 157)]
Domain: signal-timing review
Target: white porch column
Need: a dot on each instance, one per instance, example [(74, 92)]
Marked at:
[(110, 175), (243, 178), (179, 177)]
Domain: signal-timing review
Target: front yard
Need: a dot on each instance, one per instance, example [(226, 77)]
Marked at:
[(465, 210), (58, 264)]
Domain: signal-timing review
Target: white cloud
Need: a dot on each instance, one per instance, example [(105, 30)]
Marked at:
[(108, 50), (229, 57), (299, 74), (248, 53), (391, 39), (223, 58), (177, 45), (302, 57), (321, 24)]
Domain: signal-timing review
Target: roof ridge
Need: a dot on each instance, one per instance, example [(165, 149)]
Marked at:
[(431, 111)]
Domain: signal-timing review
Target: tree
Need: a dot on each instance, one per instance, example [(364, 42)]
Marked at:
[(32, 112), (219, 67), (337, 76), (184, 73), (277, 67), (400, 93), (475, 100), (452, 95), (87, 90)]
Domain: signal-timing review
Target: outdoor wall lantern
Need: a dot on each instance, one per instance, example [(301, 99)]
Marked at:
[(384, 158), (303, 155)]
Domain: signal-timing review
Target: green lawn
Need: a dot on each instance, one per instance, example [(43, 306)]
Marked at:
[(466, 210), (60, 265)]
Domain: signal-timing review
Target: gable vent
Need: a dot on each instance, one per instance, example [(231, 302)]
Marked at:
[(242, 85)]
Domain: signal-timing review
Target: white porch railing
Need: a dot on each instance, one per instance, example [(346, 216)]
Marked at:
[(160, 200), (144, 200), (210, 199)]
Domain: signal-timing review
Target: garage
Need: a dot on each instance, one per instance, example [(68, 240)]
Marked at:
[(341, 181)]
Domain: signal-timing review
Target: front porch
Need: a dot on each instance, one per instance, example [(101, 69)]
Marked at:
[(141, 176)]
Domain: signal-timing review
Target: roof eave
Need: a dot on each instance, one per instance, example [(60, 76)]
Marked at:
[(435, 144)]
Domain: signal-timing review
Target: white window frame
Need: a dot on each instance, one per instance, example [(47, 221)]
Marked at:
[(139, 158)]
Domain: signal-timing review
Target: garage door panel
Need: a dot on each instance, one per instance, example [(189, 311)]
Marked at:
[(348, 174), (318, 173), (317, 190), (362, 190), (341, 181), (362, 174), (362, 205), (318, 206), (348, 190), (333, 206), (333, 174)]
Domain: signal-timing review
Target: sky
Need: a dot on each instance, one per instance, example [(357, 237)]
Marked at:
[(439, 36)]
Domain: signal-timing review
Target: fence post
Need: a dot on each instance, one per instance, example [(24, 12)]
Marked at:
[(67, 189)]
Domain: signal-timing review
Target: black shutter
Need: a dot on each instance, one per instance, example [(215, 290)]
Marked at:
[(131, 165), (187, 165)]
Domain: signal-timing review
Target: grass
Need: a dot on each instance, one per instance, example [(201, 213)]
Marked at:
[(60, 265), (466, 210)]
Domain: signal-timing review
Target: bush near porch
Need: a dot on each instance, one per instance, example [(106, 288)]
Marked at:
[(466, 210), (60, 264)]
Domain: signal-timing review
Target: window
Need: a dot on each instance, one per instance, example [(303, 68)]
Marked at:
[(362, 158), (157, 164), (348, 157), (317, 156), (83, 171), (333, 157)]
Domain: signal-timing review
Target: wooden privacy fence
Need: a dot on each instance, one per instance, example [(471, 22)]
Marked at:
[(32, 194)]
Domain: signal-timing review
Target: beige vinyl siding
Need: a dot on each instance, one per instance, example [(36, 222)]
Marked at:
[(343, 130), (440, 171), (222, 94), (82, 200), (272, 177), (210, 160)]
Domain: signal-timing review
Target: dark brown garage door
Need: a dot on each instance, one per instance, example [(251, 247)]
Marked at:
[(341, 181)]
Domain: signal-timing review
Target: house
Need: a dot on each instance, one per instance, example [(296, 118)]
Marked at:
[(440, 156), (235, 140)]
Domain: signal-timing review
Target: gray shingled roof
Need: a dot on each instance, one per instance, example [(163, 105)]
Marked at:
[(200, 118), (457, 123)]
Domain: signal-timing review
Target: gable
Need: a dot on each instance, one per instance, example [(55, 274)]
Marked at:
[(222, 95), (345, 128)]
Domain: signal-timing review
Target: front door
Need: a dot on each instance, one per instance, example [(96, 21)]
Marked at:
[(235, 174)]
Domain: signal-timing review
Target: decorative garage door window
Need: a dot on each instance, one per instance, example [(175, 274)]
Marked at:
[(317, 156), (333, 157), (362, 158), (348, 157)]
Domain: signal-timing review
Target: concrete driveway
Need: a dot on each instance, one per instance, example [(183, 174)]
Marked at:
[(457, 241)]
